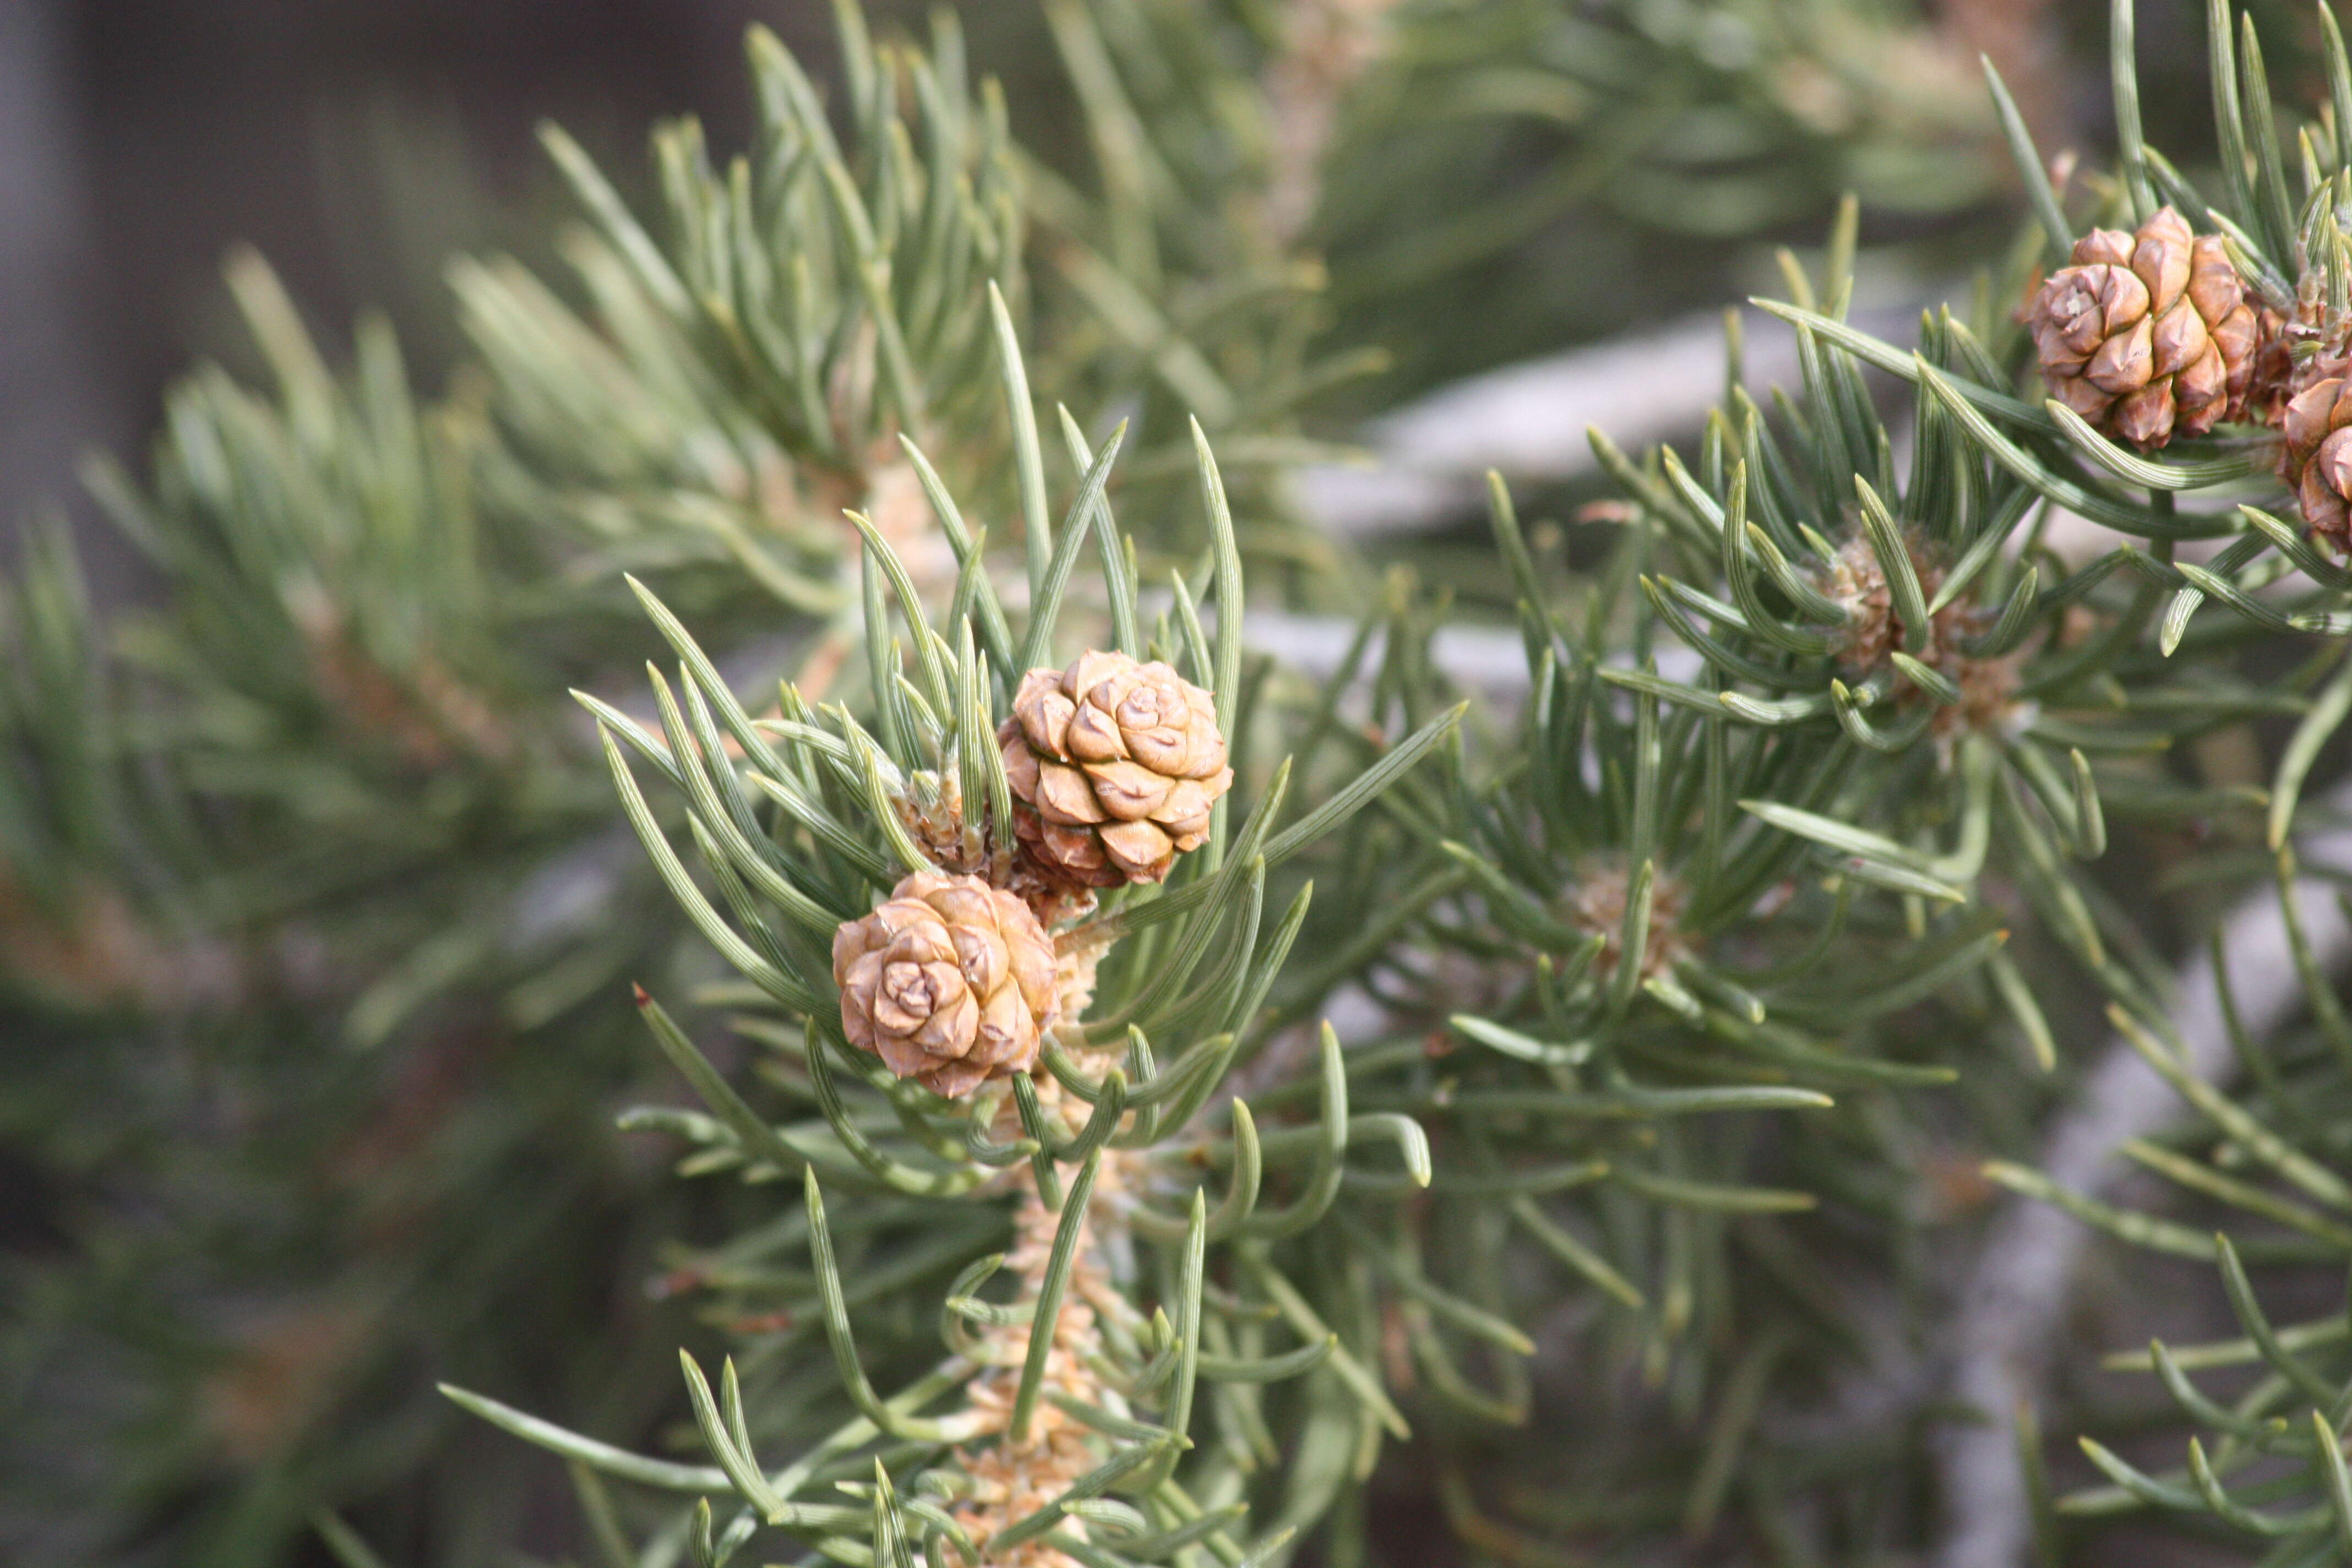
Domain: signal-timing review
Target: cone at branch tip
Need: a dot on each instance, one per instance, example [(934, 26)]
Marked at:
[(1115, 766), (950, 980)]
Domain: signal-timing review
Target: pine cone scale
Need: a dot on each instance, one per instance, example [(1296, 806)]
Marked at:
[(1093, 737), (1143, 850), (1128, 791), (2161, 257), (2326, 490), (1065, 795), (1043, 712), (2316, 458), (2180, 340), (2126, 360), (2308, 419), (2147, 417), (2086, 399)]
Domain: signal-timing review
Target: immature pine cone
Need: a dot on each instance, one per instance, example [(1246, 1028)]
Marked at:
[(1116, 765), (950, 982), (2148, 335), (2316, 460)]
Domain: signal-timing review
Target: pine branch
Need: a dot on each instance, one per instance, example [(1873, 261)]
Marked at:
[(2009, 1313)]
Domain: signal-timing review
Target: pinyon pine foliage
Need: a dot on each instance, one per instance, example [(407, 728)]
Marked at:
[(1131, 1089)]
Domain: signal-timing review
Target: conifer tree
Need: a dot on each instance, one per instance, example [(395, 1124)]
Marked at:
[(1142, 1102)]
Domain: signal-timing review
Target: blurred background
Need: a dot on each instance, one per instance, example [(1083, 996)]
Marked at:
[(1473, 216), (358, 143)]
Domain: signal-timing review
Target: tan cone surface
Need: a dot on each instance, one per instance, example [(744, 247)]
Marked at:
[(2148, 335), (950, 982), (1116, 765)]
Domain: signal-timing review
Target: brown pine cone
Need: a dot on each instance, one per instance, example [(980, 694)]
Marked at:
[(2149, 336), (950, 982), (1115, 765), (2316, 459)]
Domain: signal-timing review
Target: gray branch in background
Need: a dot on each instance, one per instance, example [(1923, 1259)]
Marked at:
[(1527, 421), (1490, 660), (2014, 1305)]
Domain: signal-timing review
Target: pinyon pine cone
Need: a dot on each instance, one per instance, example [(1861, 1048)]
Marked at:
[(950, 982), (1115, 765), (2316, 460), (2149, 336)]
